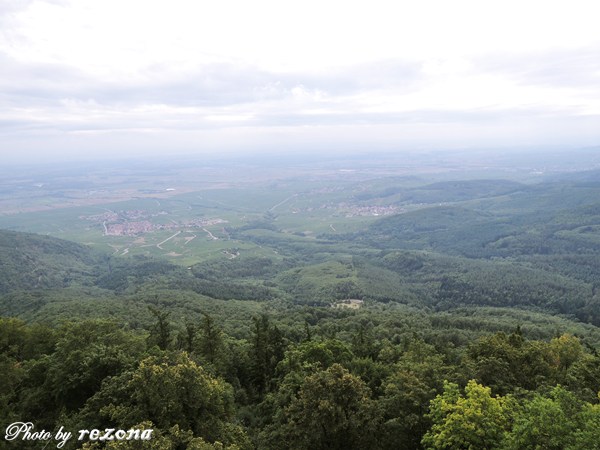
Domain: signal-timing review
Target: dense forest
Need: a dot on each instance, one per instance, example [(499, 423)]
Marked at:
[(470, 322), (318, 379)]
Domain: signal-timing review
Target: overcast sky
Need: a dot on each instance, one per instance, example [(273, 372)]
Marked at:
[(125, 77)]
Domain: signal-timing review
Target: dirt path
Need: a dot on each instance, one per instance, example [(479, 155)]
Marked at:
[(283, 201), (167, 239), (210, 235)]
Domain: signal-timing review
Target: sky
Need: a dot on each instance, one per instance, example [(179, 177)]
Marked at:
[(104, 78)]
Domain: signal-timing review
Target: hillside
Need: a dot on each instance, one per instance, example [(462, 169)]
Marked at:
[(30, 261)]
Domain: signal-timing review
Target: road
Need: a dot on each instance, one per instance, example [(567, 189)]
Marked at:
[(212, 236), (283, 201), (167, 239)]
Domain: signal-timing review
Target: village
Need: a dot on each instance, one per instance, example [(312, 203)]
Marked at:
[(136, 222)]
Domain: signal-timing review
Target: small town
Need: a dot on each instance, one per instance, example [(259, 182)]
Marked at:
[(124, 223)]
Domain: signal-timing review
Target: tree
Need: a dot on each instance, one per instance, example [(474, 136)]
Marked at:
[(211, 340), (566, 350), (587, 436), (86, 353), (473, 421), (404, 404), (363, 342), (315, 355), (268, 348), (333, 410), (505, 362), (582, 377), (417, 373), (544, 422), (168, 390), (11, 374), (186, 340), (160, 333)]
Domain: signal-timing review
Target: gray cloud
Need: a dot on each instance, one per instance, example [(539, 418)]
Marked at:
[(34, 83), (54, 97), (209, 85), (49, 105)]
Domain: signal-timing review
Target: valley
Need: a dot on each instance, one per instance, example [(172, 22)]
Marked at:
[(265, 279)]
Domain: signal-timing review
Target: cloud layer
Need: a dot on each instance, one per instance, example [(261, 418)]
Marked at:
[(98, 78)]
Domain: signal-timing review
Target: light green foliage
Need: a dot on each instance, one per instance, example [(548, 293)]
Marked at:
[(587, 435), (566, 350), (474, 421)]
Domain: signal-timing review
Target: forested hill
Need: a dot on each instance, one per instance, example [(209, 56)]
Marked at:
[(31, 261), (506, 245), (544, 219), (447, 191), (52, 279)]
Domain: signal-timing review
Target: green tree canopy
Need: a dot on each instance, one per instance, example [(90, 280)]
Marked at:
[(472, 421), (169, 390), (333, 410)]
